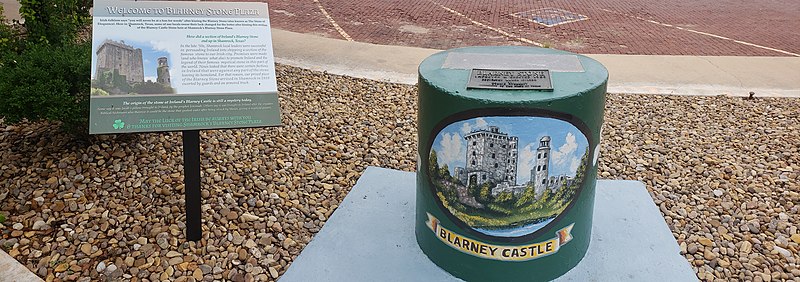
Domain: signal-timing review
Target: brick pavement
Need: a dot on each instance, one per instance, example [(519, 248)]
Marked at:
[(643, 27)]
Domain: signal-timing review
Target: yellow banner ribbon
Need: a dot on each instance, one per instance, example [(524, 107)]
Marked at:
[(497, 252)]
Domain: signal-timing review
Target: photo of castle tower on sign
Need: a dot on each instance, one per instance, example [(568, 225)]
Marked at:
[(508, 176), (130, 69)]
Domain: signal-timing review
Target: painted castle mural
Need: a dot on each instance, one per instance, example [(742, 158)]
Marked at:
[(508, 176), (120, 71)]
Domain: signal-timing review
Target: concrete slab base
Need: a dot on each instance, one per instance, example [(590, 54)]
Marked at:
[(12, 271), (370, 237)]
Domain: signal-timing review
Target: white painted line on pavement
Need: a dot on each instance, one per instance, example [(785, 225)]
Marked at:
[(706, 34), (333, 22), (500, 31)]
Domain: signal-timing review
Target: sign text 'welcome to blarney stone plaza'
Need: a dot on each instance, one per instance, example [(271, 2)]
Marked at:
[(172, 65)]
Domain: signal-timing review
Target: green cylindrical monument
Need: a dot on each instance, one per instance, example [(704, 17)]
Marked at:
[(508, 143)]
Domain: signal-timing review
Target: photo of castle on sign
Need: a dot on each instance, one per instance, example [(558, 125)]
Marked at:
[(508, 176), (130, 68)]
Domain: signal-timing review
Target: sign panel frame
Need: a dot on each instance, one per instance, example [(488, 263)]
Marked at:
[(175, 66)]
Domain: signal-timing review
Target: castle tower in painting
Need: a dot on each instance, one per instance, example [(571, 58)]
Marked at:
[(163, 72), (539, 173), (126, 60), (491, 157)]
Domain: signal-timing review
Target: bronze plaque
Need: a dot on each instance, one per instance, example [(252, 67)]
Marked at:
[(510, 79)]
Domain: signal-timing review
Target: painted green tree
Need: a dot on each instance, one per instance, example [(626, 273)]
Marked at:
[(433, 165)]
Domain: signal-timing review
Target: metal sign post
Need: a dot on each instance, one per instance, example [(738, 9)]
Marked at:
[(191, 180)]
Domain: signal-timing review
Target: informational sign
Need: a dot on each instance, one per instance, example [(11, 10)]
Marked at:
[(510, 79), (175, 65)]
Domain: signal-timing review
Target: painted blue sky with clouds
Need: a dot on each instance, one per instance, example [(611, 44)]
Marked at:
[(567, 146)]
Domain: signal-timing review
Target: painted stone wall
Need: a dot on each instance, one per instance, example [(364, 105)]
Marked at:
[(491, 156)]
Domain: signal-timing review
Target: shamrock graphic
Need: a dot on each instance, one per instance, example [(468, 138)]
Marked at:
[(119, 124)]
